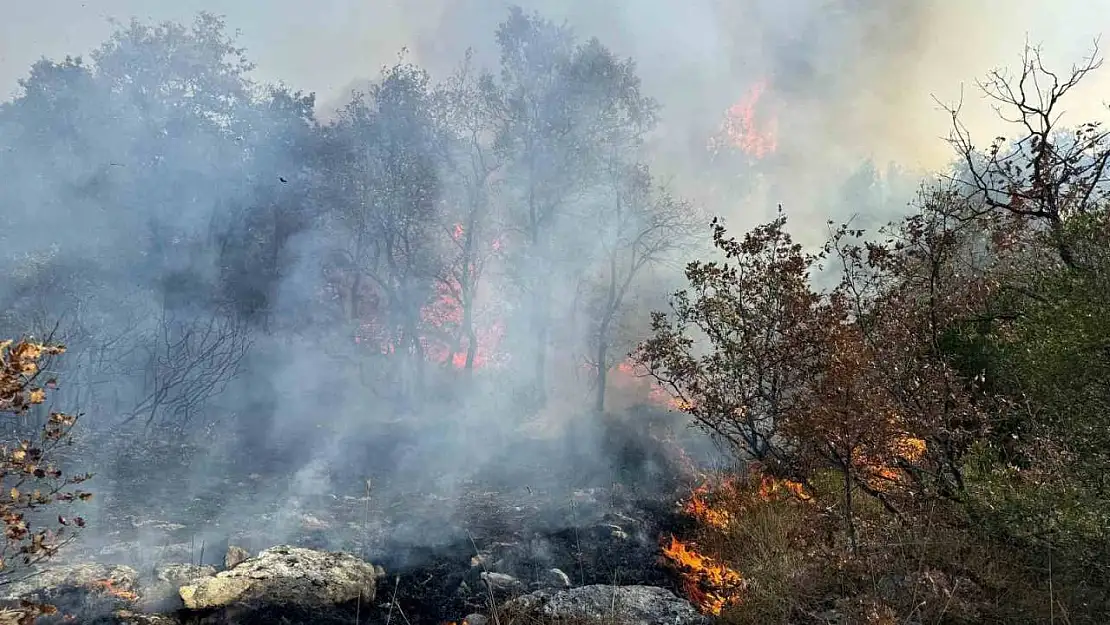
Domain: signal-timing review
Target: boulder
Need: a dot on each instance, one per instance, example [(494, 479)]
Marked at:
[(628, 605), (235, 556), (159, 593), (82, 593), (500, 581), (554, 579), (287, 576)]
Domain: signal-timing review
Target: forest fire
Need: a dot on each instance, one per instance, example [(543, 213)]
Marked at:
[(746, 128), (630, 377), (700, 509), (447, 316), (883, 475), (458, 314)]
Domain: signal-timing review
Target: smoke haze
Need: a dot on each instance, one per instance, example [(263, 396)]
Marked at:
[(868, 66), (850, 87)]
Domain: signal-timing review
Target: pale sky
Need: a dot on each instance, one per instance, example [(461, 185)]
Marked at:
[(321, 45), (325, 45)]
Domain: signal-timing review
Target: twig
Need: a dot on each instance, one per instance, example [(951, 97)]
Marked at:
[(365, 542), (393, 601), (577, 543), (485, 582)]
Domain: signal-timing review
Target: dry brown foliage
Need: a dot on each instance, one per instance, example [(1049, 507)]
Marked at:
[(30, 481)]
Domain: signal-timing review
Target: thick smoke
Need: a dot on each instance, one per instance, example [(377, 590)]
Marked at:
[(173, 250), (853, 84)]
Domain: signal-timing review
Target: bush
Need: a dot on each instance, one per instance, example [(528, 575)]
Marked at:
[(31, 486)]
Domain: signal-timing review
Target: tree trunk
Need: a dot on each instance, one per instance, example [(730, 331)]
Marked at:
[(611, 305), (541, 332), (849, 517), (602, 371)]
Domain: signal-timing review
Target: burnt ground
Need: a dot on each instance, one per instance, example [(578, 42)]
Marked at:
[(536, 509)]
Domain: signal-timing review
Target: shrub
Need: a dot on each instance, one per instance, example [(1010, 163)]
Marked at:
[(30, 483)]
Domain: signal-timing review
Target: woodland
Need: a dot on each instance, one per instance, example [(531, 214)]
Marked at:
[(203, 277)]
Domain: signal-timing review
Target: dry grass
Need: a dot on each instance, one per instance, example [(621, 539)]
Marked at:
[(798, 568)]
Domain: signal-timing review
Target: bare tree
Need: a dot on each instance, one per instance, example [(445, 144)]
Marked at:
[(640, 225), (1048, 174), (187, 362), (389, 189), (563, 108)]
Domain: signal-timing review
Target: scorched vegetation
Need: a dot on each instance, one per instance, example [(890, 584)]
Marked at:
[(416, 329), (926, 438)]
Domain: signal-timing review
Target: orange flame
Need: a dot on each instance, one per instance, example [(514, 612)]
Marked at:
[(709, 585), (771, 488), (443, 339), (882, 476), (109, 586), (446, 315), (629, 375), (699, 508), (743, 128)]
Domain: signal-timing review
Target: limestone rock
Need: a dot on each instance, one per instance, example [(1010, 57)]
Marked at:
[(66, 584), (500, 581), (286, 575), (160, 593), (235, 556), (629, 605), (556, 579)]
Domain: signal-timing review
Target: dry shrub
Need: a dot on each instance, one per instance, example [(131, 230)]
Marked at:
[(790, 547), (30, 483)]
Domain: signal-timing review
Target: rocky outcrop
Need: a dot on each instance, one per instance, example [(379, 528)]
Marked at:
[(51, 583), (286, 575), (599, 603), (296, 584)]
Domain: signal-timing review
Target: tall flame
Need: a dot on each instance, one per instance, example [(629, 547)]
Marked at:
[(747, 127), (709, 584)]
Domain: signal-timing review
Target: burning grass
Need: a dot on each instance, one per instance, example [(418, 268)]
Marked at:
[(724, 511), (767, 549), (709, 584)]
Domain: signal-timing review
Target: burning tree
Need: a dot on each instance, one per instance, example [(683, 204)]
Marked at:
[(472, 223), (563, 109), (746, 127), (388, 185), (31, 483)]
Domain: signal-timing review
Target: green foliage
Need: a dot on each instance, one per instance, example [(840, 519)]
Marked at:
[(956, 389), (1048, 487)]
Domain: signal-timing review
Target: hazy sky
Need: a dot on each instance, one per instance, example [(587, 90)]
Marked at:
[(321, 45), (690, 51)]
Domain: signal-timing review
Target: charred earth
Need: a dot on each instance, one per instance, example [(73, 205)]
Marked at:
[(528, 523)]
